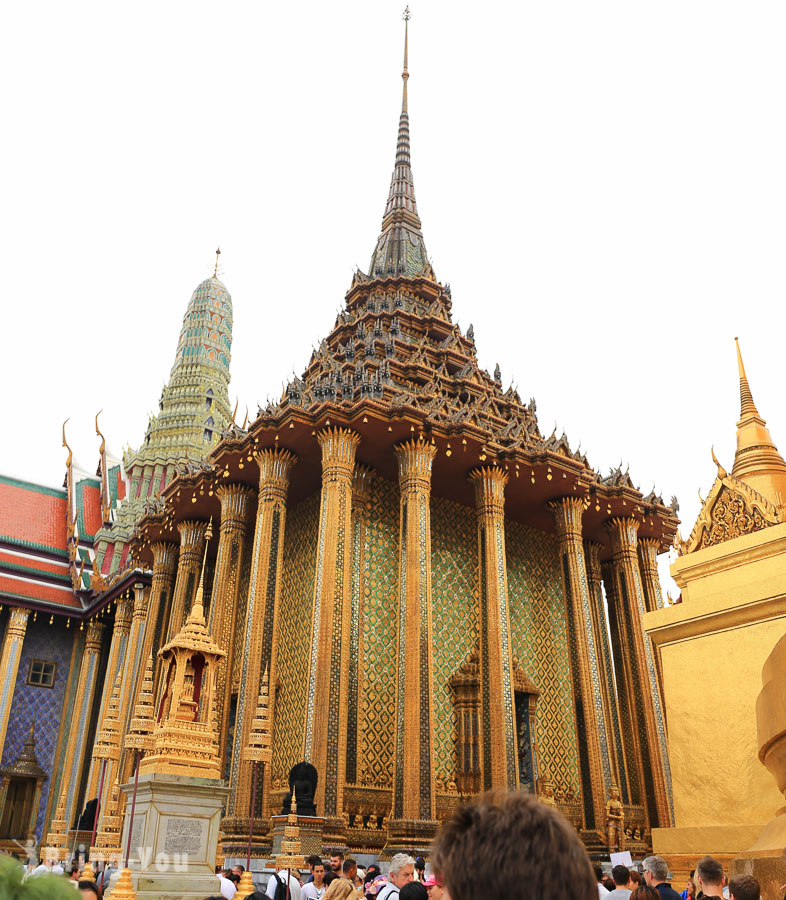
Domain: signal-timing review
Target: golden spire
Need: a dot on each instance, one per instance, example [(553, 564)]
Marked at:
[(259, 747), (747, 406), (199, 600), (65, 444), (215, 270), (757, 461), (140, 730)]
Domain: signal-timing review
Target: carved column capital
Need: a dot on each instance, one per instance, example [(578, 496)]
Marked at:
[(95, 631), (141, 601), (235, 500), (648, 554), (17, 621), (338, 453), (489, 484), (567, 512), (123, 613), (361, 486), (592, 558), (274, 468), (164, 557), (192, 535), (623, 531), (415, 459)]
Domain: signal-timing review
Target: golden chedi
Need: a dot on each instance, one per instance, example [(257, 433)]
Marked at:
[(712, 645)]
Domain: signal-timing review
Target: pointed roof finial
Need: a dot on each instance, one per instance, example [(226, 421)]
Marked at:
[(405, 74), (747, 406), (215, 271), (400, 248), (198, 609)]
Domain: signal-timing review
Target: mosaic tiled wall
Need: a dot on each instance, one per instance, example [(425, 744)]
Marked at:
[(294, 627), (52, 643), (539, 640), (454, 576), (380, 600)]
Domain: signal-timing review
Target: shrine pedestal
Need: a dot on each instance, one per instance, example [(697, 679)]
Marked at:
[(311, 828), (175, 836)]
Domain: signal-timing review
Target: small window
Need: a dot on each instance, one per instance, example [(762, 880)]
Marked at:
[(41, 673)]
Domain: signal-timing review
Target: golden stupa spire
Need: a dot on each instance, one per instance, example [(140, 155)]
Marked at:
[(747, 406), (757, 461)]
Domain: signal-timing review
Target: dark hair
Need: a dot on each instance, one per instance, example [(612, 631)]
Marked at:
[(238, 866), (330, 876), (598, 870), (635, 877), (233, 877), (413, 890), (645, 892), (744, 887), (87, 885), (621, 875), (371, 873), (348, 863), (500, 838), (710, 870), (314, 860), (337, 853), (420, 863)]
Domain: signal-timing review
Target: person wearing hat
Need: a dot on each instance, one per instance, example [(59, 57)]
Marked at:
[(435, 888)]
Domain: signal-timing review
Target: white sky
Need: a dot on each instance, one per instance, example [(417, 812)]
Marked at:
[(602, 184)]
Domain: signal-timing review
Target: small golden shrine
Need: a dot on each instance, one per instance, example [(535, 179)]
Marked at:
[(186, 736)]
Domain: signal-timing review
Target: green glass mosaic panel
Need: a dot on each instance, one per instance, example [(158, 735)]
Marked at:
[(539, 640), (380, 605), (294, 628), (454, 579)]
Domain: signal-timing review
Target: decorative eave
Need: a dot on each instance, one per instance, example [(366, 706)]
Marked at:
[(751, 512)]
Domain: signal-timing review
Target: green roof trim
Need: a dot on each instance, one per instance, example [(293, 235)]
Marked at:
[(27, 570), (30, 485), (31, 545)]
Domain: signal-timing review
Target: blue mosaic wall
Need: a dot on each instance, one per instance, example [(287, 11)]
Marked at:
[(53, 643)]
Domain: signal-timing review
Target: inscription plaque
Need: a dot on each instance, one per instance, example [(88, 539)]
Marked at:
[(184, 836)]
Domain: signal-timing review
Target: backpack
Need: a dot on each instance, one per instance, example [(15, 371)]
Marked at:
[(281, 888)]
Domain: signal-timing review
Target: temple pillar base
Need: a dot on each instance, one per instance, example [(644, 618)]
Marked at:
[(769, 871), (174, 841), (410, 836)]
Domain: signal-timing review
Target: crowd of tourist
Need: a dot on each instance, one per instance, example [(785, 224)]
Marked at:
[(499, 845)]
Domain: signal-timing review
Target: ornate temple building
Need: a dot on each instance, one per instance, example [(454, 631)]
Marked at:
[(442, 599), (713, 647)]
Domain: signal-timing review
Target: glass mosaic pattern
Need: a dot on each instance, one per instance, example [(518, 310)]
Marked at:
[(539, 638), (454, 579), (380, 604), (297, 586)]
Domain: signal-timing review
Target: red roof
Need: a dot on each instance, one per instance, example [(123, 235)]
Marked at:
[(33, 514), (91, 508), (23, 589)]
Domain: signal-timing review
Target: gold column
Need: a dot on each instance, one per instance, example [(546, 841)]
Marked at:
[(360, 499), (325, 743), (9, 664), (259, 649), (413, 790), (497, 704), (192, 541), (648, 563), (594, 758), (117, 658), (644, 708), (76, 749), (605, 667), (222, 623)]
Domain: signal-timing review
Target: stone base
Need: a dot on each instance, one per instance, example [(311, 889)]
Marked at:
[(410, 836), (311, 828), (175, 836), (682, 848), (234, 842)]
